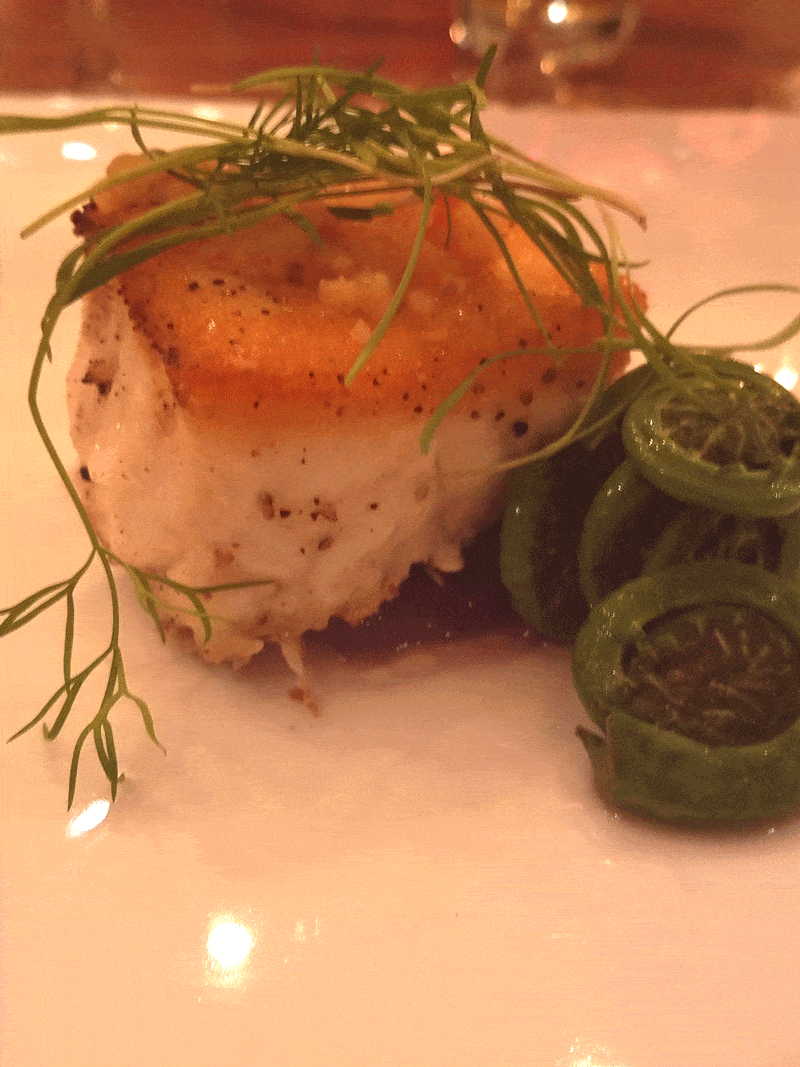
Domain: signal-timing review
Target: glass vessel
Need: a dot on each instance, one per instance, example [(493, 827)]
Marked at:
[(560, 34)]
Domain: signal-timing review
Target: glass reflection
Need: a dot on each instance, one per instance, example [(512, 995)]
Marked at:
[(557, 12)]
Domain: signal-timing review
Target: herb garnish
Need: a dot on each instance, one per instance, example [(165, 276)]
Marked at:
[(327, 133)]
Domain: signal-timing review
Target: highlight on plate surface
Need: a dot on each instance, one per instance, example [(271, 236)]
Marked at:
[(343, 339)]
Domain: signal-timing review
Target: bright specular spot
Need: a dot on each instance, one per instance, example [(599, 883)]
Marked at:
[(78, 150), (207, 111), (557, 11), (88, 818), (787, 377), (229, 944), (583, 1055)]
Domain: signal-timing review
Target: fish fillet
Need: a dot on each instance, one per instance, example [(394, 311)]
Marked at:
[(217, 439)]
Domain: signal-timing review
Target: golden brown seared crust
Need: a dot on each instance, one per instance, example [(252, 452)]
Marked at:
[(120, 203), (269, 321)]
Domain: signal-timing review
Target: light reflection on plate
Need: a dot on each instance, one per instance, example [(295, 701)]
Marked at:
[(78, 150), (424, 876), (89, 818), (228, 945)]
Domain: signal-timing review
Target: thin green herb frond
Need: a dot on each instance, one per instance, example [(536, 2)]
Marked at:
[(626, 328), (361, 145), (150, 601), (20, 614)]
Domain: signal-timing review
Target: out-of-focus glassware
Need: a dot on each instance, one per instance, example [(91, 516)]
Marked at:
[(478, 24), (560, 35), (94, 62)]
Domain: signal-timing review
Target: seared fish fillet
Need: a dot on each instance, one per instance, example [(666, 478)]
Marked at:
[(218, 442)]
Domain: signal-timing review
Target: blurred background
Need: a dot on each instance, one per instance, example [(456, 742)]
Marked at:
[(680, 53)]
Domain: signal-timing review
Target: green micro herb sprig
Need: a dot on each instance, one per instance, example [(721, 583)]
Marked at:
[(320, 134)]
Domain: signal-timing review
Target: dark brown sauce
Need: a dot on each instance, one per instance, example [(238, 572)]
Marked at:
[(430, 609)]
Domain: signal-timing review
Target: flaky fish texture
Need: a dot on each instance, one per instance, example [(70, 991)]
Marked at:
[(218, 441)]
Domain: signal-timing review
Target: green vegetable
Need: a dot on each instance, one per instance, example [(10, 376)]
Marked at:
[(699, 534), (547, 503), (626, 518), (539, 539), (689, 660), (693, 675), (328, 131), (731, 441), (633, 528)]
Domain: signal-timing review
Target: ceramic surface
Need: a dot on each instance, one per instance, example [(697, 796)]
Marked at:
[(424, 876)]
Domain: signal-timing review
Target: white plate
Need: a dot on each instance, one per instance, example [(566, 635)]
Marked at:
[(426, 873)]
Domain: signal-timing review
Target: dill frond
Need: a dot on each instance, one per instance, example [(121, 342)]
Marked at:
[(319, 132)]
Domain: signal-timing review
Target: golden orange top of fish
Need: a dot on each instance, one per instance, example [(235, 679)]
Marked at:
[(265, 323)]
